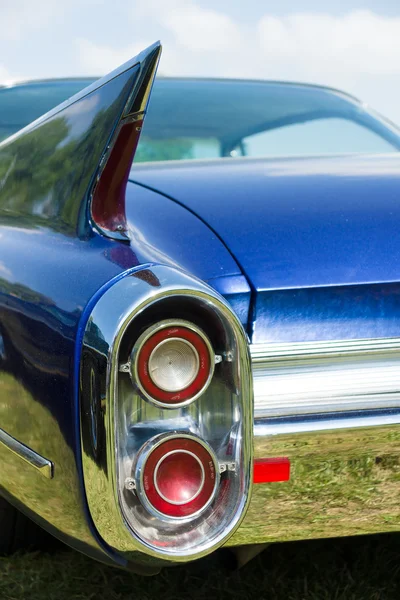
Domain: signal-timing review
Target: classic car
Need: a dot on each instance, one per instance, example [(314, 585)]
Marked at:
[(199, 350)]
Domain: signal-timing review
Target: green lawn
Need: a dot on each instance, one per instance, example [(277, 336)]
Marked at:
[(348, 569)]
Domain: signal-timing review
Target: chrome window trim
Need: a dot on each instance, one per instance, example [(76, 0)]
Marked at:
[(43, 465), (308, 378)]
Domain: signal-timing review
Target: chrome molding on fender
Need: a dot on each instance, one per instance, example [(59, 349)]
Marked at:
[(44, 466), (325, 377)]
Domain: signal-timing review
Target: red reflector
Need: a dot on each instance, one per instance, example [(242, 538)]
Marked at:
[(267, 470)]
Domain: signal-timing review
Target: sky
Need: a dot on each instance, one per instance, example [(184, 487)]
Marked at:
[(353, 45)]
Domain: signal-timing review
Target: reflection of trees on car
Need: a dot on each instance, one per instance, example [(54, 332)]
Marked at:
[(47, 169)]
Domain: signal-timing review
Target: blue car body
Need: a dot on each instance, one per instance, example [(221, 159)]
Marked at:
[(314, 226), (303, 250)]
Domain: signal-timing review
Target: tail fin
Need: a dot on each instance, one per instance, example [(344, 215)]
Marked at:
[(68, 170)]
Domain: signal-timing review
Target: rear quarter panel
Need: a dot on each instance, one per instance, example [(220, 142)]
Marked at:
[(47, 278)]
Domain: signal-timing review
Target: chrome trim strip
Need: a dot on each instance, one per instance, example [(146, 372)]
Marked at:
[(263, 352), (276, 427), (44, 466), (325, 377)]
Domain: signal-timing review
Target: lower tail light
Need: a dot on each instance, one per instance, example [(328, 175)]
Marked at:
[(177, 476), (172, 363)]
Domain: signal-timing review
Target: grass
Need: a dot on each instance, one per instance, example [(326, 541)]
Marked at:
[(361, 568)]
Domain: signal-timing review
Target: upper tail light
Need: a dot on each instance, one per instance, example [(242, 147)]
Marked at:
[(172, 363)]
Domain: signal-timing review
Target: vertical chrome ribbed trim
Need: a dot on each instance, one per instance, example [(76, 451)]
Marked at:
[(43, 465), (323, 377)]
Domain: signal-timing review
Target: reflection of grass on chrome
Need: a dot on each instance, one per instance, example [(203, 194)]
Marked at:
[(362, 568), (55, 500), (338, 486)]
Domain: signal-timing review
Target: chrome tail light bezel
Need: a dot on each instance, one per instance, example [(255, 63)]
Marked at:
[(132, 532)]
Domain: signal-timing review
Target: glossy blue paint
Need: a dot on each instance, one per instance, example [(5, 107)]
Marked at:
[(52, 262), (292, 224), (162, 231), (328, 313), (46, 280), (237, 292), (296, 222)]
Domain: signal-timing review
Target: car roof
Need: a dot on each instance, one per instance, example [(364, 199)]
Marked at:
[(283, 82)]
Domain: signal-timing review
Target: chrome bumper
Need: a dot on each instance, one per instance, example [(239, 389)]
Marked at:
[(345, 463), (345, 479)]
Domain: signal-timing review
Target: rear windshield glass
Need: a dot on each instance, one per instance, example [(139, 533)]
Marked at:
[(212, 119)]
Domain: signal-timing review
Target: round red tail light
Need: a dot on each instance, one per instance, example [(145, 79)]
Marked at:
[(179, 477), (176, 476), (172, 363)]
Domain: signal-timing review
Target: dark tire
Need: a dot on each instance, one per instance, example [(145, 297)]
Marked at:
[(17, 532)]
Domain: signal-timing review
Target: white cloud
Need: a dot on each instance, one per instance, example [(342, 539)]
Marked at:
[(196, 28), (4, 75), (97, 59), (192, 30), (360, 42), (20, 16), (6, 78)]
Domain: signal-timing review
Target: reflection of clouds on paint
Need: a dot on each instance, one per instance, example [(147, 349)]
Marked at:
[(345, 165), (24, 230), (153, 254), (77, 116), (4, 271), (84, 106)]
